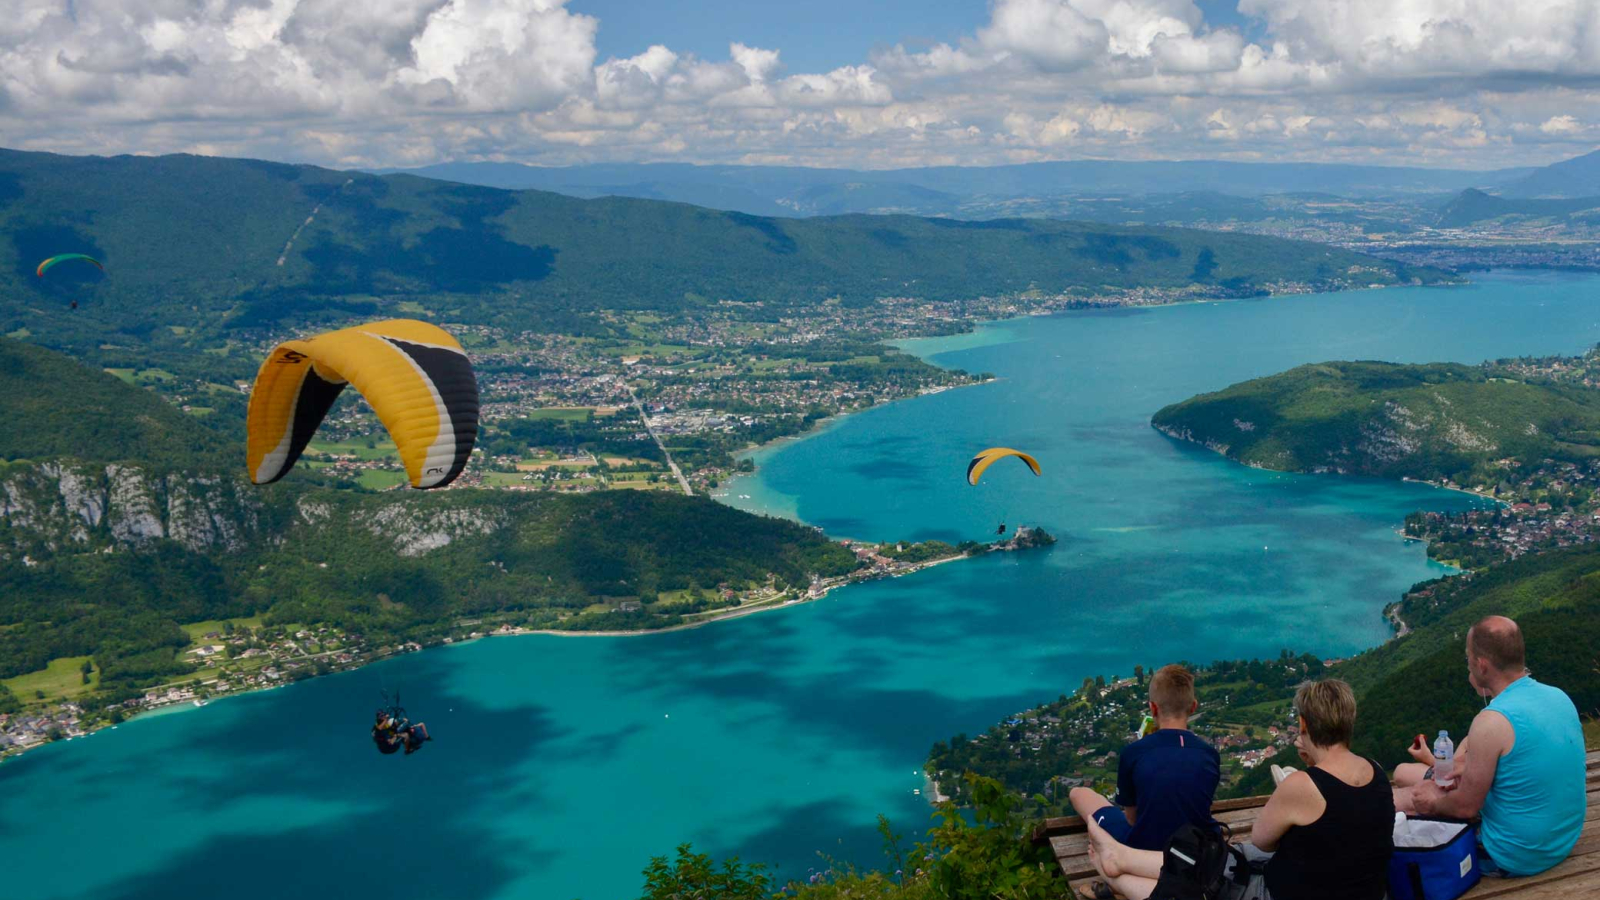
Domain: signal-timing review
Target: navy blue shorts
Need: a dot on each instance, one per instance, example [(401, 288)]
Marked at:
[(1116, 824), (1486, 863)]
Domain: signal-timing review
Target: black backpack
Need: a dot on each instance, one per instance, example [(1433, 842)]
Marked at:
[(1194, 863)]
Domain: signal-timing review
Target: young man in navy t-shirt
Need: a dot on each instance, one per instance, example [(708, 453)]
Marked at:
[(1166, 779)]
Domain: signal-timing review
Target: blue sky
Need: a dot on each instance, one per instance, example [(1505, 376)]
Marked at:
[(815, 36)]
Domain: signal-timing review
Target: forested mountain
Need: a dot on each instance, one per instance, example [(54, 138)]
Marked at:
[(60, 408), (1473, 206), (942, 190), (121, 519), (1369, 418), (1418, 683), (195, 247)]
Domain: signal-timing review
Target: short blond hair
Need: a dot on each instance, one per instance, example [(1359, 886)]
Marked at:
[(1172, 690), (1329, 710)]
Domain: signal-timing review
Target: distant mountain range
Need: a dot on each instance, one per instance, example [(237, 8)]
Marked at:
[(955, 190), (1576, 177)]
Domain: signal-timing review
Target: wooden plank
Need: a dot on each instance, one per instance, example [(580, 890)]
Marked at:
[(1059, 825), (1558, 878), (1072, 850), (1239, 820), (1585, 859), (1583, 885)]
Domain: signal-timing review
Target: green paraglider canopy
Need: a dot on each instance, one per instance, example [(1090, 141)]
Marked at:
[(64, 257)]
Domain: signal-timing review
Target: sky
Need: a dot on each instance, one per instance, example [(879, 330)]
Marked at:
[(1474, 84)]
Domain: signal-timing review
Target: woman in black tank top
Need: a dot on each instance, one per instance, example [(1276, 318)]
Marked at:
[(1344, 854), (1325, 834)]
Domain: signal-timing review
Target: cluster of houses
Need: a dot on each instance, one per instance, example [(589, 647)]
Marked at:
[(1527, 525), (20, 731), (229, 662)]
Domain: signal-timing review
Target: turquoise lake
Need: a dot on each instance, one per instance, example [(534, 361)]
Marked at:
[(561, 764)]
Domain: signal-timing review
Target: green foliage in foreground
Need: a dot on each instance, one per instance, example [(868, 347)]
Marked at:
[(982, 856), (1436, 421)]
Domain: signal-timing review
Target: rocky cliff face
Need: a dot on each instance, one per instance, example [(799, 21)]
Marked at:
[(59, 507), (415, 531), (63, 507)]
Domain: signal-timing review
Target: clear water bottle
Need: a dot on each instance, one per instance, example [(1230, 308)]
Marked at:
[(1444, 760)]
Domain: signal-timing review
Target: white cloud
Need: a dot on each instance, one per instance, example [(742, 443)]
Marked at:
[(1561, 125), (373, 82), (758, 64), (1052, 34), (1438, 40), (502, 54), (636, 81), (1219, 51)]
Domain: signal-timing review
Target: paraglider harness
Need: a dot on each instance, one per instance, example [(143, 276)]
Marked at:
[(393, 730)]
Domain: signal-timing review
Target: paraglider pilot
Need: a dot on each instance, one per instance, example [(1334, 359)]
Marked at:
[(391, 733)]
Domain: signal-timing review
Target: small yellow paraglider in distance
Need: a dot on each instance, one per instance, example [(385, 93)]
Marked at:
[(986, 458), (415, 375)]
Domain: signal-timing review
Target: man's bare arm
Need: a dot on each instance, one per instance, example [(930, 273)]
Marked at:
[(1492, 737)]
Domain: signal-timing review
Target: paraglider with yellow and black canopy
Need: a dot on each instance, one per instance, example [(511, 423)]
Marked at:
[(987, 458), (416, 377)]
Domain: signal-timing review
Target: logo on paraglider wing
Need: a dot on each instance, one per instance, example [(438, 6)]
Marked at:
[(291, 358), (435, 470)]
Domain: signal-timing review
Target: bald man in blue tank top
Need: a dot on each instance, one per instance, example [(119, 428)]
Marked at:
[(1524, 771)]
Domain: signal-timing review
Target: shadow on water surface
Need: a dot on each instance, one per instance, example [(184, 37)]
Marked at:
[(789, 836), (426, 824)]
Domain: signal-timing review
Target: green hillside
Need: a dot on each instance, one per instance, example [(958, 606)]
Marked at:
[(192, 248), (1418, 683), (1436, 421), (108, 560), (57, 407)]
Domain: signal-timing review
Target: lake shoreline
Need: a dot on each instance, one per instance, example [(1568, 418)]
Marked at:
[(899, 343), (818, 428)]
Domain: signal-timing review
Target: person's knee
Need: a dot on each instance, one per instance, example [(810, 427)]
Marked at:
[(1409, 774), (1086, 801)]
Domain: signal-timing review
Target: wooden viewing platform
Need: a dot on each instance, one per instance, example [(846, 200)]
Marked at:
[(1577, 876)]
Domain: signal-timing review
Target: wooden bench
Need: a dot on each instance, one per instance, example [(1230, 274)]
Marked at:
[(1578, 876)]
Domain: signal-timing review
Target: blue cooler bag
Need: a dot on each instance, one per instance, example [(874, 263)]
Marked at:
[(1434, 859)]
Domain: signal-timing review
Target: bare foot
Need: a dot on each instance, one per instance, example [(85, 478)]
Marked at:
[(1104, 850)]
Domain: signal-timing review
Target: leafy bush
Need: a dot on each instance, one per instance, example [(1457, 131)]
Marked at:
[(985, 857), (693, 876)]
